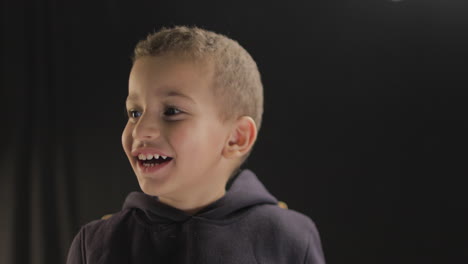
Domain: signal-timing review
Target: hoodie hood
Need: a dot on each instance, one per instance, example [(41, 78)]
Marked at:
[(245, 191)]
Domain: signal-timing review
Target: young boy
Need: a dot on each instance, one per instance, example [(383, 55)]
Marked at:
[(195, 106)]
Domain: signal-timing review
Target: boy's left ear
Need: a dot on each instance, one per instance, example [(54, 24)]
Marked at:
[(242, 138)]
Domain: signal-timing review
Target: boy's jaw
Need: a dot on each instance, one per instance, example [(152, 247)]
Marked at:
[(148, 161)]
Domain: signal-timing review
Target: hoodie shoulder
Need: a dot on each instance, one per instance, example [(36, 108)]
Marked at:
[(287, 219), (294, 232), (92, 236), (106, 223)]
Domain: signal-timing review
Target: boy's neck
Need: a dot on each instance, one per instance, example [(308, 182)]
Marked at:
[(203, 193), (194, 204)]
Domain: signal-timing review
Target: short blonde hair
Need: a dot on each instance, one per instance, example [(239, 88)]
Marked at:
[(237, 81)]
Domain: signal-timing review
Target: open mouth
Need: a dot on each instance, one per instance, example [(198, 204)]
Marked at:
[(150, 160)]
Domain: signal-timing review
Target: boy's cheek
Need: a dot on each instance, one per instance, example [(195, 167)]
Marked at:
[(127, 139)]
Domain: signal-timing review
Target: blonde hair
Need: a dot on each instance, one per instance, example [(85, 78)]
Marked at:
[(237, 81)]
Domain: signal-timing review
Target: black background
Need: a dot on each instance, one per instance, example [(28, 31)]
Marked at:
[(364, 127)]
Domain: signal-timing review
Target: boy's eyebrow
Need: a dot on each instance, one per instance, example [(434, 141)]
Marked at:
[(169, 93), (174, 93)]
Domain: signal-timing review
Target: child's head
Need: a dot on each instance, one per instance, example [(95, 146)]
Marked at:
[(196, 97), (236, 83)]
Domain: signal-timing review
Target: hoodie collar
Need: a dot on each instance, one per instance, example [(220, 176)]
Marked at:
[(245, 191)]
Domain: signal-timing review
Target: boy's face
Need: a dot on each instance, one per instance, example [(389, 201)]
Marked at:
[(173, 112)]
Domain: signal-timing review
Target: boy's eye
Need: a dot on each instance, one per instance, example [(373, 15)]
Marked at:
[(134, 114), (170, 111)]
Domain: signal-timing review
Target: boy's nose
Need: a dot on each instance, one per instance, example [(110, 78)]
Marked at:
[(146, 129)]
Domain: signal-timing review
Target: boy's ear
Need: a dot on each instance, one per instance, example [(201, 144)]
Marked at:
[(242, 138)]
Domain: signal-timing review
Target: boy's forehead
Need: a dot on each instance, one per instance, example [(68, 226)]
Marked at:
[(165, 92), (169, 76), (165, 61)]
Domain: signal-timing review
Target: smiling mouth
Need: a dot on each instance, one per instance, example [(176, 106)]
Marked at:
[(146, 161)]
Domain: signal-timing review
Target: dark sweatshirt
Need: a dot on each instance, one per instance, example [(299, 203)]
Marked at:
[(244, 226)]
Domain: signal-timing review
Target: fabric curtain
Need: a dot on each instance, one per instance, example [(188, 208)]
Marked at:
[(36, 192)]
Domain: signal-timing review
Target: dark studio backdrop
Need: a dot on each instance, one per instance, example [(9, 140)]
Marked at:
[(364, 128)]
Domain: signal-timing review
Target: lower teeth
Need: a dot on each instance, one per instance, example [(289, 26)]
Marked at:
[(152, 164)]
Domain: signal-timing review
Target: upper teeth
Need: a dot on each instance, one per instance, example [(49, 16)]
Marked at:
[(150, 156)]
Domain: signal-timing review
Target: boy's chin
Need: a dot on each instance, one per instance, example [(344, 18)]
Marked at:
[(150, 189), (153, 187)]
